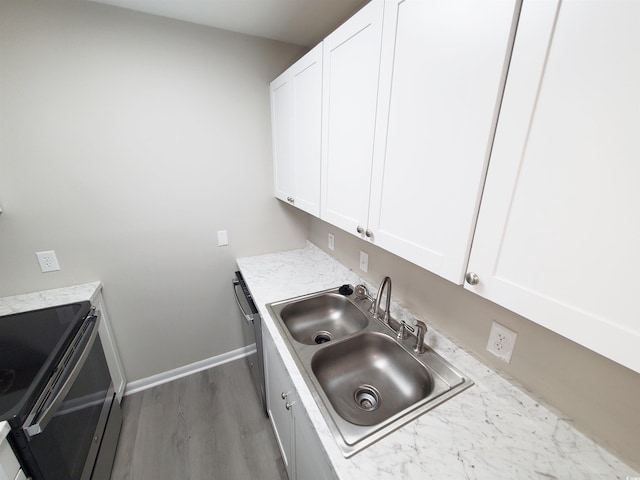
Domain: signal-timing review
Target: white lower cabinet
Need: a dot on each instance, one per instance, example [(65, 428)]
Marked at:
[(109, 347), (301, 450), (9, 466), (8, 462)]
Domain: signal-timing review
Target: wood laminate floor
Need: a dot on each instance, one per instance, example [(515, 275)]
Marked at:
[(206, 426)]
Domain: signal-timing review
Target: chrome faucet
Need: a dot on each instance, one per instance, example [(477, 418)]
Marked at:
[(376, 308)]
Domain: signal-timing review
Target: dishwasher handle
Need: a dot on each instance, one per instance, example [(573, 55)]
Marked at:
[(247, 316)]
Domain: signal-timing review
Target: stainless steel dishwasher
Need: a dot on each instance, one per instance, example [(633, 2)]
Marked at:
[(252, 316)]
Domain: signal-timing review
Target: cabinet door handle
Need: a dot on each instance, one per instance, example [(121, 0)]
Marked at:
[(289, 405), (284, 395), (472, 278), (360, 229), (368, 233)]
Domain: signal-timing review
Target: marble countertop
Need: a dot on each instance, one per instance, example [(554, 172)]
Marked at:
[(49, 298), (492, 430)]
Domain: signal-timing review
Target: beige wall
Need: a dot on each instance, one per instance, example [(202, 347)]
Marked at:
[(126, 142), (600, 396)]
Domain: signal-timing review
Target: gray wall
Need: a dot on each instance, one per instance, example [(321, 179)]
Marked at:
[(600, 396), (126, 142)]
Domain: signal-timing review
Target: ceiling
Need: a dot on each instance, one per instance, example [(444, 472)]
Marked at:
[(301, 22)]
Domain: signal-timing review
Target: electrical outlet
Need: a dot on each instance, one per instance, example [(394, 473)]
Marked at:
[(48, 261), (501, 341), (331, 243), (364, 262)]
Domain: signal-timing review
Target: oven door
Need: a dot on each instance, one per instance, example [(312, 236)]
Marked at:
[(64, 430)]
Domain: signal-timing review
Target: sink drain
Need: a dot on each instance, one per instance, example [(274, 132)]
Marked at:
[(322, 337), (367, 398)]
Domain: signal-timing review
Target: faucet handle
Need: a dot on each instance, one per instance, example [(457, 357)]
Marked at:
[(402, 331), (422, 329)]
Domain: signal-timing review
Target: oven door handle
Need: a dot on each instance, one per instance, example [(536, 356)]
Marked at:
[(45, 409), (248, 317)]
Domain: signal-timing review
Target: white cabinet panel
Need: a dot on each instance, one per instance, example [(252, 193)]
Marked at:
[(281, 137), (351, 60), (9, 465), (557, 235), (441, 80), (296, 119), (307, 138), (302, 453), (311, 461), (109, 346), (278, 385)]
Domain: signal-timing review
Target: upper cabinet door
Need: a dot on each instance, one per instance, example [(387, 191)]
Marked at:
[(306, 75), (441, 82), (558, 235), (351, 61), (281, 137), (296, 121)]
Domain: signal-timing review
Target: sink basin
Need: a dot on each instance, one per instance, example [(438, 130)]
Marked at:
[(322, 318), (370, 377), (366, 382)]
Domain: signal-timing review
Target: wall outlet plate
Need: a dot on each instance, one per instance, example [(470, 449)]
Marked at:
[(48, 261), (501, 341), (364, 262), (331, 242)]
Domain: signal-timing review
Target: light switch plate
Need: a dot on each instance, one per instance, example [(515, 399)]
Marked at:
[(331, 242), (223, 238)]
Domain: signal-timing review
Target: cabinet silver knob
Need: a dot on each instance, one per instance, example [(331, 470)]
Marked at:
[(360, 229), (284, 395), (288, 405), (368, 233), (472, 278)]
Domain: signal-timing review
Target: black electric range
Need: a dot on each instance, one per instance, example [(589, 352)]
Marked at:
[(56, 393), (31, 344)]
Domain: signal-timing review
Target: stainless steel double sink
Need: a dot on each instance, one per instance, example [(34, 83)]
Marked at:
[(366, 381)]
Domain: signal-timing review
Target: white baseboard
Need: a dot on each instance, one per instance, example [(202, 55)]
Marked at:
[(164, 377)]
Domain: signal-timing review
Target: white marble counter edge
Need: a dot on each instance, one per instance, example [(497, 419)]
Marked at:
[(49, 298), (376, 461)]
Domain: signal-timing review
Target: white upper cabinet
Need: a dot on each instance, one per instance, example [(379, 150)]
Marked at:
[(441, 81), (296, 118), (558, 235), (282, 137), (351, 62)]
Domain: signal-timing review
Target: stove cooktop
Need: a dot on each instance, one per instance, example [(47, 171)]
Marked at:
[(31, 344)]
